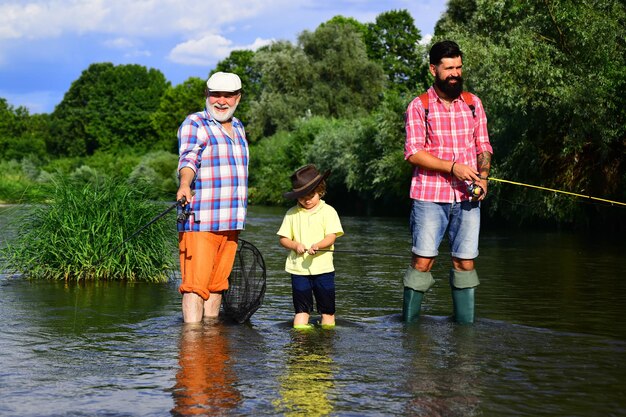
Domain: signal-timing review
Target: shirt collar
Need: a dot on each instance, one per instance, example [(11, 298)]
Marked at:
[(317, 209)]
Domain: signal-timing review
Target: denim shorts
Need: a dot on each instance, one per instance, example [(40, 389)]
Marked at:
[(429, 222), (303, 288)]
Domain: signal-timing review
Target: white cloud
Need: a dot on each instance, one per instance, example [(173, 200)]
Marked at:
[(208, 49), (426, 39), (65, 36), (40, 19), (130, 46), (155, 18), (201, 51), (137, 53), (119, 43), (139, 28), (258, 43)]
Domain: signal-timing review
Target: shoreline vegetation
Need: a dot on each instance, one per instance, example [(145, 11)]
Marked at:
[(79, 234), (336, 97)]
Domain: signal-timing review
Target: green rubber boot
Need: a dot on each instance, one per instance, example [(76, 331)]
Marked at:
[(463, 302), (463, 285), (411, 305), (415, 283)]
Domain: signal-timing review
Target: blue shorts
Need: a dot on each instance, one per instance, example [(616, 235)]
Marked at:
[(303, 287), (429, 222)]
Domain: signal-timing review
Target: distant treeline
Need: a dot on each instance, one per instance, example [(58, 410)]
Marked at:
[(550, 75)]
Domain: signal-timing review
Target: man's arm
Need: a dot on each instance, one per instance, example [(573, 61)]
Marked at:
[(484, 164), (425, 160), (184, 190)]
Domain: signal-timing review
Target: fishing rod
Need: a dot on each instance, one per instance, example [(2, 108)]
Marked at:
[(557, 191), (358, 252), (183, 215)]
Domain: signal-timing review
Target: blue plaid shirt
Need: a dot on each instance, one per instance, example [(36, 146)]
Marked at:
[(221, 167)]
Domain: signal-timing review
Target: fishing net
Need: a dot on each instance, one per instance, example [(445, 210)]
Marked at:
[(246, 284)]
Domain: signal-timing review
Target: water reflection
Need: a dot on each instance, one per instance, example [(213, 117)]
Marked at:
[(443, 377), (548, 339), (306, 387), (205, 381)]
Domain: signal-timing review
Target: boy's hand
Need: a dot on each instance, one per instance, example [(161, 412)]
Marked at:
[(300, 249), (313, 249)]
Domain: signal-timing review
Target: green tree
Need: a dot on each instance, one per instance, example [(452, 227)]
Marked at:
[(286, 84), (357, 26), (156, 174), (367, 158), (393, 41), (107, 108), (551, 76), (21, 135), (349, 84), (175, 104), (327, 73), (459, 12), (242, 63), (275, 158)]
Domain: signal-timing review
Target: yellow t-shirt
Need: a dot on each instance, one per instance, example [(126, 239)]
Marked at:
[(309, 227)]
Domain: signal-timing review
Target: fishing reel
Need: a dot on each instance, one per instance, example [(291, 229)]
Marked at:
[(184, 214), (475, 190)]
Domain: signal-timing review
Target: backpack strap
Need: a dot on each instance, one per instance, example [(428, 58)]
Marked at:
[(469, 100), (424, 99), (467, 97)]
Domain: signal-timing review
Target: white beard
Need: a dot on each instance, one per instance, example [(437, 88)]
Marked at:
[(221, 117)]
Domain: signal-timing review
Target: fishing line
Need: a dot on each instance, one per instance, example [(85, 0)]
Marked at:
[(557, 191)]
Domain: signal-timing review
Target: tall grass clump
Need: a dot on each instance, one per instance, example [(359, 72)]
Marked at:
[(78, 236)]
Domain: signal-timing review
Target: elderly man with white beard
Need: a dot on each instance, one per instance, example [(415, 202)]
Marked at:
[(213, 174)]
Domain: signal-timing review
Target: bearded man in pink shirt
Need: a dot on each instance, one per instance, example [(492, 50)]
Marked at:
[(448, 145)]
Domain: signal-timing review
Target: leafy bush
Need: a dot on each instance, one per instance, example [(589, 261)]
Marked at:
[(17, 184), (274, 159), (156, 175)]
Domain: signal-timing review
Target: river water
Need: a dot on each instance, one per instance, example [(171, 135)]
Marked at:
[(549, 339)]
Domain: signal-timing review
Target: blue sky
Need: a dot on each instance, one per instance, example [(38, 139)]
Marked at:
[(46, 44)]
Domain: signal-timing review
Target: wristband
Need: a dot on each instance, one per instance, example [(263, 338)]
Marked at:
[(452, 168)]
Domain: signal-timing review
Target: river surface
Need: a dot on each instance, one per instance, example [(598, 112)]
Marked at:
[(549, 340)]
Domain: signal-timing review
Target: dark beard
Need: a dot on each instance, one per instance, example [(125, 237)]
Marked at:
[(452, 91)]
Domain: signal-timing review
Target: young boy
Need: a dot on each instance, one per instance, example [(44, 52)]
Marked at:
[(308, 227)]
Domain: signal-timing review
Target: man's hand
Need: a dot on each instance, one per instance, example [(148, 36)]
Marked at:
[(464, 172)]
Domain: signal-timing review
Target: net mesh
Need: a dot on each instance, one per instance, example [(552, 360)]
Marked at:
[(246, 284)]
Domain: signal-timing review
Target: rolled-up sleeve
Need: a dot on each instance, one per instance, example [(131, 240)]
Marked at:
[(415, 129), (480, 131), (189, 148)]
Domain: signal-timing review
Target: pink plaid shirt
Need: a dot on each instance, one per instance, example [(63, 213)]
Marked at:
[(453, 135)]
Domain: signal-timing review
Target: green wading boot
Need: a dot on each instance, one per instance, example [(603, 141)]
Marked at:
[(411, 305), (463, 301), (463, 284), (416, 283)]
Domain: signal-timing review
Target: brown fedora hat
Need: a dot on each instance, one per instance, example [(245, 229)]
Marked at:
[(305, 180)]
